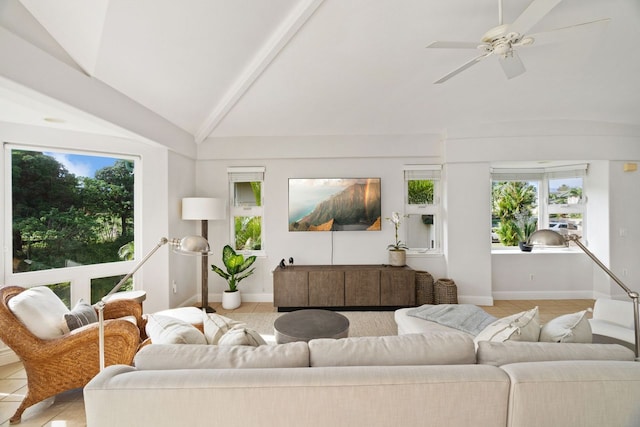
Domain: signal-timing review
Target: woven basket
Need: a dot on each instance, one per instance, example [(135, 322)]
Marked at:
[(424, 288), (445, 292)]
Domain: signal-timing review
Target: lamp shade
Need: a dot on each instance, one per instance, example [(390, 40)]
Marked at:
[(547, 238), (199, 208), (192, 245)]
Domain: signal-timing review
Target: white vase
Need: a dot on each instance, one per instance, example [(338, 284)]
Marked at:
[(397, 257), (231, 300)]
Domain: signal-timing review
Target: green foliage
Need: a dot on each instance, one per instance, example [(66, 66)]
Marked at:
[(513, 203), (563, 193), (236, 267), (256, 187), (420, 192), (248, 231), (40, 183), (63, 291), (102, 286)]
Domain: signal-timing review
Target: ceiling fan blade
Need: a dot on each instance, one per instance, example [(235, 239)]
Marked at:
[(463, 67), (512, 65), (567, 33), (532, 15), (453, 45)]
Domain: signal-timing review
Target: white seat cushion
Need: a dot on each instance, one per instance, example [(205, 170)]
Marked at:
[(41, 311)]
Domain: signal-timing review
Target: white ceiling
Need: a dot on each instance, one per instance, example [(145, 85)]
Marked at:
[(333, 67)]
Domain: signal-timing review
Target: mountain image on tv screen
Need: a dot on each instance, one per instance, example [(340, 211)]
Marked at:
[(334, 204)]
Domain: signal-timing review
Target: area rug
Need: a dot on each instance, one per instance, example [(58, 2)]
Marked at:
[(361, 323)]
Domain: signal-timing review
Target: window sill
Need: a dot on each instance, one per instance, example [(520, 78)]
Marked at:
[(426, 254), (537, 251)]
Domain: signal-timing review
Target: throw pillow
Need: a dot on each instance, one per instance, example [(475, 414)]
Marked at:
[(41, 311), (215, 326), (239, 335), (82, 314), (169, 330), (523, 326), (573, 327)]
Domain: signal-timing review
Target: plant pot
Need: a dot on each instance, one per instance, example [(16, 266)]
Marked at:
[(524, 247), (397, 257), (231, 300)]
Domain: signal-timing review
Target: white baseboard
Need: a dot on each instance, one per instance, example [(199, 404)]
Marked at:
[(516, 295), (7, 357), (462, 299), (246, 297)]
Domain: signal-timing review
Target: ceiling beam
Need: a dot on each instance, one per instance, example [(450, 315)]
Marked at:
[(261, 61)]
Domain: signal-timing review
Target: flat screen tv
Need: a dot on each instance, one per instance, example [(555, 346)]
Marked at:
[(334, 204)]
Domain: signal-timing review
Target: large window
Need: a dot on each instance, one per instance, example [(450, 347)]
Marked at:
[(69, 210), (247, 208), (524, 200), (422, 208)]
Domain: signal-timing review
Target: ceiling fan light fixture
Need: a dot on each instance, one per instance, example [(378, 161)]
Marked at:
[(502, 48)]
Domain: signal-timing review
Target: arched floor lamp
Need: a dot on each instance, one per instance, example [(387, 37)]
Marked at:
[(552, 238), (189, 245)]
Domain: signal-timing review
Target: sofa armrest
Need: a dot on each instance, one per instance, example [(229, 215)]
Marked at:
[(614, 311)]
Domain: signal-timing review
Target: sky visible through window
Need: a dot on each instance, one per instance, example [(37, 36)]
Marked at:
[(82, 164)]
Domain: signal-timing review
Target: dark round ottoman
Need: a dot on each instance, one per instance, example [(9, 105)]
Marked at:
[(305, 325)]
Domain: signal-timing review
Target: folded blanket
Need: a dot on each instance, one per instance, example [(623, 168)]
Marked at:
[(464, 317)]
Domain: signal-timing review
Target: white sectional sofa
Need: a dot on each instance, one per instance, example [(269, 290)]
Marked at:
[(612, 321), (430, 379)]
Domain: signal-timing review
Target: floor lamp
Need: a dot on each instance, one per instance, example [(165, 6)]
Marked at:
[(204, 209), (189, 245), (555, 239)]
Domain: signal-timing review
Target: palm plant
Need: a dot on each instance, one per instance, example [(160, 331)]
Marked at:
[(236, 267)]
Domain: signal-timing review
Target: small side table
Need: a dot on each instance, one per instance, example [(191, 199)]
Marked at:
[(305, 325), (137, 296)]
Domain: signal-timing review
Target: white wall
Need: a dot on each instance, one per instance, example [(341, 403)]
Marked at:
[(467, 245), (184, 271), (480, 276), (341, 160), (625, 226)]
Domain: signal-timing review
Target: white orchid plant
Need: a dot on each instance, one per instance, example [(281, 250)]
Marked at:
[(395, 220)]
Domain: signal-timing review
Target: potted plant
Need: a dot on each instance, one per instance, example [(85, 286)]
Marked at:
[(525, 226), (397, 254), (236, 270)]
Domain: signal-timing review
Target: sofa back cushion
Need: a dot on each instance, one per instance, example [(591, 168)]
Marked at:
[(41, 311), (436, 348), (504, 353), (186, 356), (170, 330)]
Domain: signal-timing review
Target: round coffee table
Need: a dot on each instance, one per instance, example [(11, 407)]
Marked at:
[(305, 325)]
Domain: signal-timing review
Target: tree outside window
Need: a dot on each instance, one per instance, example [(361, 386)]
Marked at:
[(514, 207)]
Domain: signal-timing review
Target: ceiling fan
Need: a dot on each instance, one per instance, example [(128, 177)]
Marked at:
[(504, 39)]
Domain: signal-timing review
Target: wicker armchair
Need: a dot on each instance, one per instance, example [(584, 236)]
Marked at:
[(69, 362)]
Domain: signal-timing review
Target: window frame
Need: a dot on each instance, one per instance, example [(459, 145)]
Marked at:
[(433, 173), (79, 277), (246, 174), (545, 208)]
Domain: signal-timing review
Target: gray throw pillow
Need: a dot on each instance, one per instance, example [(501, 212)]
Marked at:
[(82, 314)]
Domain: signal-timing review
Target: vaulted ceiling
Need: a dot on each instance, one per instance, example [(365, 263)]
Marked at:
[(218, 68)]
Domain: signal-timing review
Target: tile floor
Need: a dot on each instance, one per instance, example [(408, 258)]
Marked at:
[(67, 409)]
